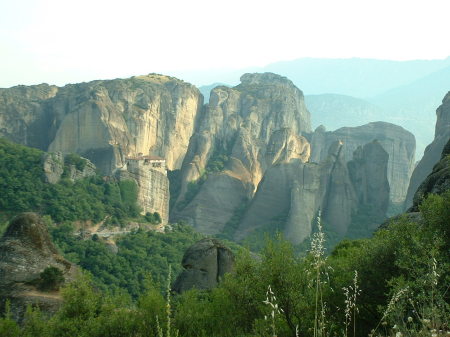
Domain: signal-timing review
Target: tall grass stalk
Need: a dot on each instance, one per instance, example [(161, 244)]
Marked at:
[(168, 308), (351, 293), (318, 254), (271, 300)]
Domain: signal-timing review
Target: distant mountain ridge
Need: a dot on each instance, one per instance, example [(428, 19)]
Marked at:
[(357, 77)]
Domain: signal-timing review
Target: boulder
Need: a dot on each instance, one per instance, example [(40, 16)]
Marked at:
[(205, 263)]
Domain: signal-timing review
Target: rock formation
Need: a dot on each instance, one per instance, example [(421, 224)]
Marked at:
[(205, 263), (26, 250), (150, 175), (433, 151), (256, 124), (437, 182), (396, 141), (24, 115), (104, 121), (291, 194), (368, 172), (54, 165)]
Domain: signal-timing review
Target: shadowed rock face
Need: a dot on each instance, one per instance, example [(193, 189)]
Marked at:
[(368, 173), (204, 263), (26, 250), (433, 151), (399, 143), (437, 182)]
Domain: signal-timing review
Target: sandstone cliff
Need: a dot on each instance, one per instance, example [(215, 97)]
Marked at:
[(26, 250), (256, 124), (396, 141), (150, 175), (104, 121), (368, 172), (437, 182), (433, 151), (291, 194), (24, 116)]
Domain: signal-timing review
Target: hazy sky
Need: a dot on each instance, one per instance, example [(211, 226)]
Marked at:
[(59, 41)]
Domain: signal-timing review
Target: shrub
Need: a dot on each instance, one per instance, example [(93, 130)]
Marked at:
[(51, 279)]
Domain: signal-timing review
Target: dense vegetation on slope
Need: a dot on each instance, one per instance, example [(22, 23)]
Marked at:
[(24, 189), (396, 282), (140, 255)]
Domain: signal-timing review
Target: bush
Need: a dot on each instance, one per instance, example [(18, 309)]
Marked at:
[(51, 279)]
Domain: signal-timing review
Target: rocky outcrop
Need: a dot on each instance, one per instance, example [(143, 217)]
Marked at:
[(53, 164), (150, 175), (104, 121), (26, 251), (437, 182), (56, 165), (205, 263), (256, 124), (433, 151), (396, 141)]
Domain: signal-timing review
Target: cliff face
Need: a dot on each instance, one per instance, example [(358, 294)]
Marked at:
[(24, 117), (26, 251), (437, 182), (368, 172), (433, 151), (291, 194), (396, 141), (153, 185), (257, 123), (104, 121)]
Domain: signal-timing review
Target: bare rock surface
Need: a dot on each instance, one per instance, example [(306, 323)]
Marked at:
[(104, 121), (205, 263), (437, 182), (433, 152), (396, 141), (257, 124)]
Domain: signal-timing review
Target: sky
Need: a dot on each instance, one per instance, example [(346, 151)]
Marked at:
[(65, 41)]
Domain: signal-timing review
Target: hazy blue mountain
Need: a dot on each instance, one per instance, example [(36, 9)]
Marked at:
[(414, 105), (335, 111), (354, 77)]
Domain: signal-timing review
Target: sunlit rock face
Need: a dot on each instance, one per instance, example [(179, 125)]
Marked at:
[(105, 121), (150, 175), (397, 142), (433, 151), (257, 124)]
